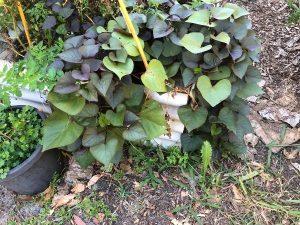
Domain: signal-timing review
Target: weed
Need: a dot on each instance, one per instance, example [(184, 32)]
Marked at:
[(294, 6), (92, 206)]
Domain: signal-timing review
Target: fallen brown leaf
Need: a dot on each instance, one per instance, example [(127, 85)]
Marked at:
[(169, 214), (94, 180), (59, 201), (78, 188), (100, 217), (126, 168), (48, 193), (78, 221), (237, 194)]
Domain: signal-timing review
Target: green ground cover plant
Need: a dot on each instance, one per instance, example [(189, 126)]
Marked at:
[(20, 132), (206, 51)]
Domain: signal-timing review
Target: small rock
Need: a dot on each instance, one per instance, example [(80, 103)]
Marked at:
[(251, 139)]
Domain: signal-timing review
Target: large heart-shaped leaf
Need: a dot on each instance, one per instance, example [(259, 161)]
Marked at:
[(88, 51), (157, 48), (128, 43), (71, 55), (102, 84), (192, 119), (89, 110), (238, 11), (134, 94), (116, 118), (84, 158), (155, 76), (222, 37), (220, 73), (70, 103), (135, 133), (227, 117), (201, 17), (110, 151), (120, 69), (89, 92), (252, 75), (249, 89), (180, 11), (153, 119), (193, 42), (92, 136), (214, 94), (60, 130), (221, 13), (190, 143), (161, 29), (240, 68), (66, 84)]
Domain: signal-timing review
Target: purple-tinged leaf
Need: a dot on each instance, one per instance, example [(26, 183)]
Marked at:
[(94, 64), (49, 22), (236, 52), (78, 75), (161, 29), (85, 68), (71, 55), (88, 51), (73, 42), (66, 84)]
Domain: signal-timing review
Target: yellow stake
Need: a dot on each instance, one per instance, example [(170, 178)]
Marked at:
[(24, 22), (132, 31)]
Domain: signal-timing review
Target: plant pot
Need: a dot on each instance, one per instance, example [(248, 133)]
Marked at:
[(170, 102), (34, 175)]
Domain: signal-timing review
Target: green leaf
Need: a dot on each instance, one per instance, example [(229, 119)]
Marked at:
[(116, 118), (238, 11), (192, 119), (120, 69), (214, 94), (84, 158), (173, 69), (153, 119), (249, 89), (193, 42), (135, 95), (206, 156), (155, 76), (89, 110), (201, 17), (222, 37), (92, 136), (190, 143), (157, 48), (170, 49), (102, 84), (235, 145), (219, 74), (220, 13), (89, 92), (110, 151), (135, 133), (252, 75), (128, 43), (187, 77), (70, 103), (118, 56), (60, 130), (240, 68), (227, 117)]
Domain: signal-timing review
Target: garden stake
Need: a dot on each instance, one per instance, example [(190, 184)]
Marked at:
[(24, 22), (132, 31)]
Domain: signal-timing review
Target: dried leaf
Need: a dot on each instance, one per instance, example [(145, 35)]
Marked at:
[(59, 201), (237, 194), (94, 180), (78, 188), (48, 193), (78, 221)]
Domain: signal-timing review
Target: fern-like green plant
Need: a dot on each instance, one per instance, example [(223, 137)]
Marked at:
[(206, 155)]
